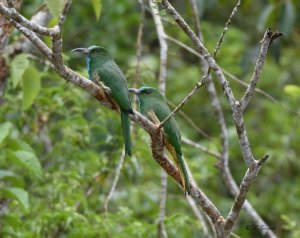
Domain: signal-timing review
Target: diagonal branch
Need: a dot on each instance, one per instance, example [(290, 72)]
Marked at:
[(202, 50), (11, 13), (35, 40), (116, 179), (269, 36), (205, 54), (253, 170)]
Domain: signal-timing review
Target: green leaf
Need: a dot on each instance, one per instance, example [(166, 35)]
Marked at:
[(17, 68), (55, 7), (292, 90), (29, 161), (13, 220), (4, 130), (97, 4), (18, 194), (31, 86), (17, 144), (15, 180)]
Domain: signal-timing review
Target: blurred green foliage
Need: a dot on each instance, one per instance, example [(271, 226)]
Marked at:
[(59, 147)]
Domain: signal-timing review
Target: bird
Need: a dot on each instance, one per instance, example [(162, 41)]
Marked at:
[(104, 71), (153, 105)]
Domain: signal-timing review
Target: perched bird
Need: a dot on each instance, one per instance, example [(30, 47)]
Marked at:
[(153, 105), (104, 71)]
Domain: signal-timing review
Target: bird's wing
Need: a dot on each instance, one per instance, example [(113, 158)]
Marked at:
[(113, 78)]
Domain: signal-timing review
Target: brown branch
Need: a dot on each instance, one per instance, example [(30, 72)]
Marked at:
[(156, 136)]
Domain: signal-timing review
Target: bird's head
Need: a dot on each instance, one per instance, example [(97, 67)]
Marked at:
[(146, 92), (94, 52)]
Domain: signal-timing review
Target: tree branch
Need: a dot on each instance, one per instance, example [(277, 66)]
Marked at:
[(116, 179), (202, 50), (161, 230), (269, 36), (11, 13), (222, 226)]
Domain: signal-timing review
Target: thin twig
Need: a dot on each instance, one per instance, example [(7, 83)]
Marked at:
[(191, 122), (218, 46), (199, 216), (64, 13), (200, 147), (235, 78), (184, 101), (205, 54), (116, 179), (262, 92), (266, 42)]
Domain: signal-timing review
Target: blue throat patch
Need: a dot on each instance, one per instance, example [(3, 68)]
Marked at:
[(88, 60)]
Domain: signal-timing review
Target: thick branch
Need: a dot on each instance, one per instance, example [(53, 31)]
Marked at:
[(224, 165), (12, 14), (241, 196), (35, 40), (156, 136)]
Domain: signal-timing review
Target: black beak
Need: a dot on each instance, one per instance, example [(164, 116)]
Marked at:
[(81, 50), (134, 90)]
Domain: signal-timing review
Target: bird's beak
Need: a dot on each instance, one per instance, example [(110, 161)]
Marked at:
[(134, 90), (81, 50)]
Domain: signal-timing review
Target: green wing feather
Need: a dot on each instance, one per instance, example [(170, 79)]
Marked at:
[(172, 135), (112, 77)]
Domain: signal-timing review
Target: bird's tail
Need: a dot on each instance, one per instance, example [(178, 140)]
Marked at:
[(126, 131), (183, 173)]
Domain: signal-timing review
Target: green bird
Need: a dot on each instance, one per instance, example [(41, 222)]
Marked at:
[(104, 71), (153, 105)]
